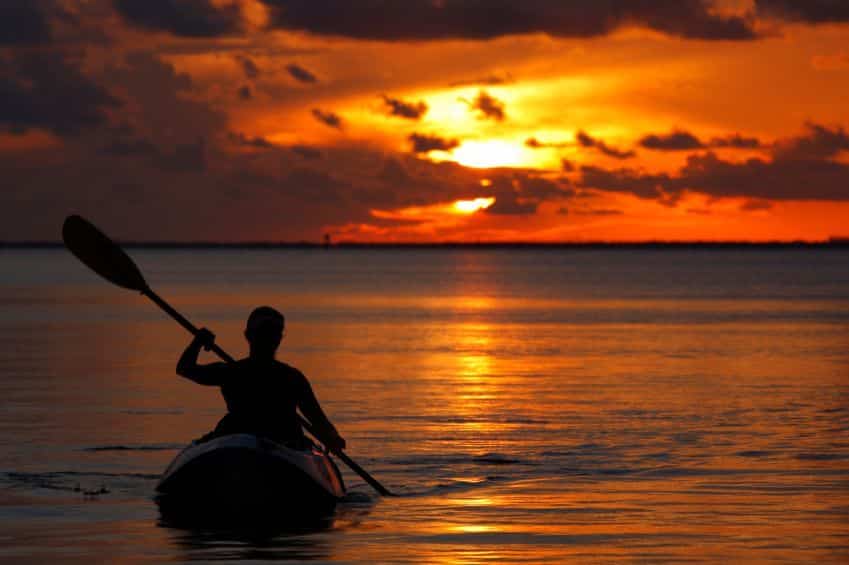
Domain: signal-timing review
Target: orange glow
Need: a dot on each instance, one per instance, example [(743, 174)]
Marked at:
[(440, 214), (237, 93), (487, 154), (472, 206), (550, 101), (29, 141)]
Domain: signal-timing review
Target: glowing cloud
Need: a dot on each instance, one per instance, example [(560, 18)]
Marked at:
[(472, 206)]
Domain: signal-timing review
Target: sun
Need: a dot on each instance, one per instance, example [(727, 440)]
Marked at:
[(472, 206), (486, 154)]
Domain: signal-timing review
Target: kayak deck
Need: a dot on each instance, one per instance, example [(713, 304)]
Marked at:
[(246, 472)]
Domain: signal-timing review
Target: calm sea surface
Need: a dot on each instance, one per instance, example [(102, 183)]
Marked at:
[(529, 405)]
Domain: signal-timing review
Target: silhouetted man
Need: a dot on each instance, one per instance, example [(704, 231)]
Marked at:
[(262, 394)]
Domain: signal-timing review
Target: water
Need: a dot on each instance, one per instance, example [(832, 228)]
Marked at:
[(528, 405)]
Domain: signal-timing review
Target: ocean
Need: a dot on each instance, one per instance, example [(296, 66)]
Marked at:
[(528, 405)]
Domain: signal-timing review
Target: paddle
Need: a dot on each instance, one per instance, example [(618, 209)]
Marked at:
[(107, 259)]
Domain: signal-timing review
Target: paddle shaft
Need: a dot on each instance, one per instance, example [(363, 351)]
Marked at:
[(361, 472), (226, 357)]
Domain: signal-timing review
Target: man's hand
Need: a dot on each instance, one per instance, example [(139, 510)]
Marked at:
[(335, 443), (205, 338)]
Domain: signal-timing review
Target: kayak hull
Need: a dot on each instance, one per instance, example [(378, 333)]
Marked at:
[(242, 472)]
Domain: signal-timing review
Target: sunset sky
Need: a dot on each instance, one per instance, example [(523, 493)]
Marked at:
[(426, 120)]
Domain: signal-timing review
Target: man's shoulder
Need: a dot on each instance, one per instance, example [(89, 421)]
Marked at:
[(293, 376), (288, 369)]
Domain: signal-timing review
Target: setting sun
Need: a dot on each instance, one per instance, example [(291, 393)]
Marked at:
[(485, 154), (472, 206)]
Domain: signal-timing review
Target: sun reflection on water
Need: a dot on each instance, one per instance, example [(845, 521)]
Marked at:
[(473, 528), (474, 502)]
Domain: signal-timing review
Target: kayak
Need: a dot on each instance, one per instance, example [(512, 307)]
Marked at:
[(244, 472)]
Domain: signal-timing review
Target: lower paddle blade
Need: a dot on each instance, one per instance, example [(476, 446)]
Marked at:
[(101, 254)]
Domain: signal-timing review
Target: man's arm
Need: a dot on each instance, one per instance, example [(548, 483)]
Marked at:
[(312, 411), (187, 366)]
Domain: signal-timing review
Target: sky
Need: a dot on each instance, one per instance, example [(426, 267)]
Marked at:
[(426, 120)]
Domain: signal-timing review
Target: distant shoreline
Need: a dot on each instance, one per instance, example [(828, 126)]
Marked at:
[(834, 243)]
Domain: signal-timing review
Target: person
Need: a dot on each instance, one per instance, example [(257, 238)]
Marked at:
[(262, 394)]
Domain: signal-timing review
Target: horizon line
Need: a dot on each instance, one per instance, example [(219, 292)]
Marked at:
[(839, 242)]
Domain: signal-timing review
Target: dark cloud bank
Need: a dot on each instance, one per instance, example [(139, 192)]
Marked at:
[(486, 19), (799, 168), (476, 19), (808, 11), (46, 90), (189, 18), (680, 140), (23, 23)]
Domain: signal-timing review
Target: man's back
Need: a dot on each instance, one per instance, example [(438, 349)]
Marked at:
[(262, 398)]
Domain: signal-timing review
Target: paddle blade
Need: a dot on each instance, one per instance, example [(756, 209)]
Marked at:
[(101, 254)]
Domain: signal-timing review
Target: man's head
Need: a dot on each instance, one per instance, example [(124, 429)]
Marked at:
[(264, 331)]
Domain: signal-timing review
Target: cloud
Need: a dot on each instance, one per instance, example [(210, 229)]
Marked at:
[(189, 18), (755, 205), (511, 207), (157, 128), (680, 140), (487, 106), (488, 80), (126, 143), (330, 119), (417, 20), (535, 143), (301, 74), (248, 65), (242, 140), (585, 140), (624, 180), (807, 11), (161, 102), (821, 142), (404, 109), (591, 211), (521, 192), (736, 141), (800, 168), (676, 140), (306, 151), (186, 157), (424, 143), (23, 23), (474, 19), (41, 89)]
